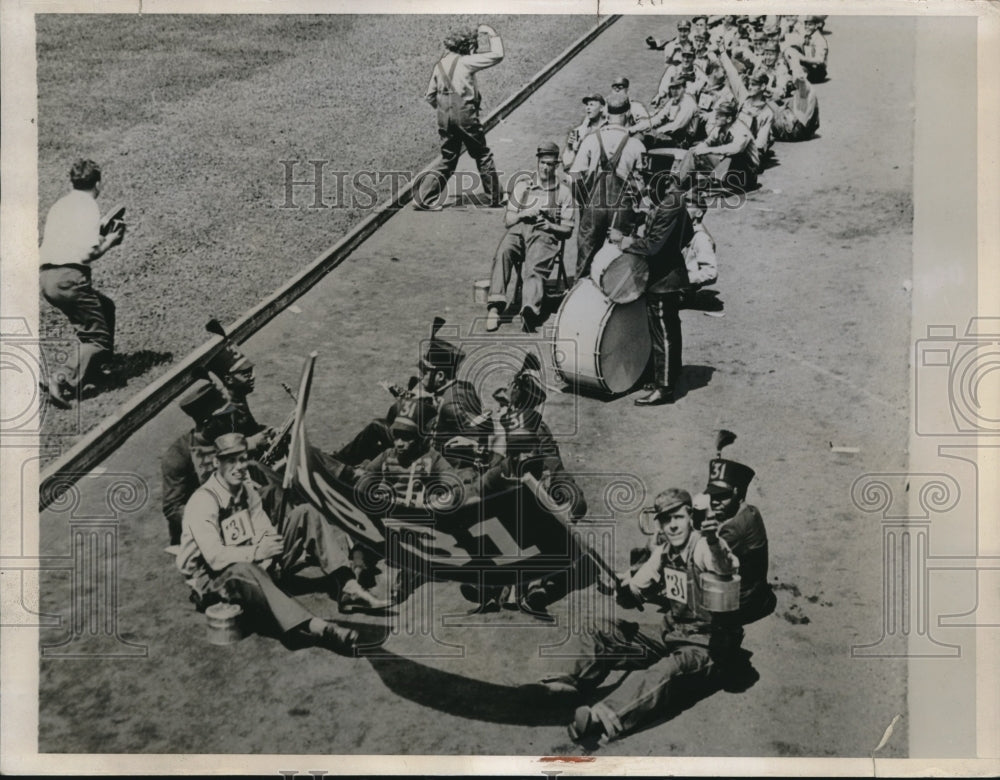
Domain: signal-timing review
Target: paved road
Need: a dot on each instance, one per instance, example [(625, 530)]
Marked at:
[(812, 350)]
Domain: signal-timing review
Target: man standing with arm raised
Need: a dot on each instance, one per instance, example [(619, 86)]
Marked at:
[(455, 95)]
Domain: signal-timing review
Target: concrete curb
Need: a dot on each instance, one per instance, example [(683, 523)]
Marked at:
[(95, 446)]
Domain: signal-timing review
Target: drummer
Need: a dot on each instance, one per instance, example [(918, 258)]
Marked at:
[(540, 215), (668, 231)]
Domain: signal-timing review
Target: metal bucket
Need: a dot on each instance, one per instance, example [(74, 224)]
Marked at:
[(720, 594), (224, 623), (481, 291)]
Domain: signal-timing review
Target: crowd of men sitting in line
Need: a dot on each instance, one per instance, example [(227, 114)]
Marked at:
[(731, 86), (236, 537)]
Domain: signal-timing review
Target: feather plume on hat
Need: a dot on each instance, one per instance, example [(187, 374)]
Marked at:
[(723, 439)]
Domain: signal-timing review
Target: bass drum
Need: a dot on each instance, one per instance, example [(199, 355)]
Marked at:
[(620, 275), (600, 344)]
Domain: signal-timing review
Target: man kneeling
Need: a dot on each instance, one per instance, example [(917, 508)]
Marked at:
[(539, 217), (230, 551)]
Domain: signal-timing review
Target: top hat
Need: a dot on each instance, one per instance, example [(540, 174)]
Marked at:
[(203, 400), (441, 355), (414, 415), (229, 360), (724, 475)]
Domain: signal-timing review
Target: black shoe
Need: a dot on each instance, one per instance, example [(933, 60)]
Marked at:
[(529, 321), (341, 640), (659, 396)]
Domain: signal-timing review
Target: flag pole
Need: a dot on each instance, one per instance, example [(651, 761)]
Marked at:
[(563, 516), (291, 464)]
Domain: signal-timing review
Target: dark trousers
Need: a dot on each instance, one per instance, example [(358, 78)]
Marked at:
[(459, 127), (656, 662), (91, 313), (309, 539), (532, 251), (608, 206), (373, 439), (663, 316)]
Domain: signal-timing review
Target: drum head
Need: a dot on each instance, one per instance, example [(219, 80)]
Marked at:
[(600, 344), (625, 346), (625, 278)]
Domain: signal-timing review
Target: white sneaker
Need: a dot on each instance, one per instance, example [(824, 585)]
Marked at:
[(492, 319)]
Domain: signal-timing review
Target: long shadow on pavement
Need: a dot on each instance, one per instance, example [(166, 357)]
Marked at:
[(466, 697)]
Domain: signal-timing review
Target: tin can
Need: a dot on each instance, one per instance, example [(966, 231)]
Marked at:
[(720, 594), (224, 623)]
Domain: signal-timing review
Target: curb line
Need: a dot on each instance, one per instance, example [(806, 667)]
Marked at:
[(95, 446)]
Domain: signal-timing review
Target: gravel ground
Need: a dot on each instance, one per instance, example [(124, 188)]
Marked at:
[(190, 118), (813, 349)]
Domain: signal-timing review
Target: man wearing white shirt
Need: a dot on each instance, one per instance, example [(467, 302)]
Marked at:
[(71, 241)]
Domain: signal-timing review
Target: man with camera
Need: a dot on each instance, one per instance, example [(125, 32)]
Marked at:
[(691, 645), (231, 551), (455, 95), (73, 238), (540, 215)]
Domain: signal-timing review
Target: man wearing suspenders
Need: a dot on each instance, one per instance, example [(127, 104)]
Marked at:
[(455, 95), (606, 182)]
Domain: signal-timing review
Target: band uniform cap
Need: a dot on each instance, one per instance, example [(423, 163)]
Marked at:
[(617, 104), (414, 415), (724, 475), (670, 499), (715, 19), (594, 96), (440, 354), (683, 24), (228, 361), (621, 80), (772, 45), (547, 149), (772, 30), (697, 18), (202, 400), (230, 444)]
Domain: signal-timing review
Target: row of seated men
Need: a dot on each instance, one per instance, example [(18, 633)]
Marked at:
[(435, 433)]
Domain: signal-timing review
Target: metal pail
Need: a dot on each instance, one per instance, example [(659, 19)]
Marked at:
[(224, 623), (720, 594)]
